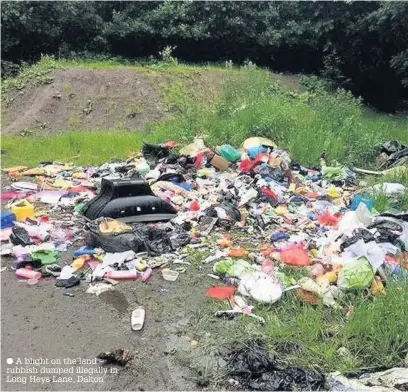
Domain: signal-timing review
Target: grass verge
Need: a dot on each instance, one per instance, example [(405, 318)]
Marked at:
[(251, 102), (373, 337)]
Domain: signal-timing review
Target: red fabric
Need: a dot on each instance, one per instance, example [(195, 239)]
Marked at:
[(199, 160), (269, 193), (328, 220), (246, 166), (220, 292)]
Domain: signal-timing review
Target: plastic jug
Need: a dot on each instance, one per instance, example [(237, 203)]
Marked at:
[(23, 210)]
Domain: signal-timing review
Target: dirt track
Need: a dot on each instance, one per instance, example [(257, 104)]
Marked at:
[(40, 322), (86, 100)]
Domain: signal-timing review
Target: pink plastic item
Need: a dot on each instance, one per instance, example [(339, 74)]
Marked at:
[(194, 206), (28, 274), (296, 256), (122, 275), (147, 274), (12, 195), (316, 270), (267, 267)]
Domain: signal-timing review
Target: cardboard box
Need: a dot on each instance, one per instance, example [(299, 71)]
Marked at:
[(219, 163)]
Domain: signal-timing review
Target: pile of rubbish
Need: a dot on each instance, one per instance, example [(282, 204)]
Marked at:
[(140, 214), (250, 212)]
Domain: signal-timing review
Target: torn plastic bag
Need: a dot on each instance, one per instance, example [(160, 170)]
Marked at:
[(395, 379), (358, 234), (175, 178), (193, 149), (129, 201), (391, 378), (271, 173), (230, 209), (391, 147), (397, 153), (255, 369), (113, 243), (339, 383), (390, 229), (232, 267), (155, 151), (388, 188), (260, 287), (375, 253), (229, 153), (142, 238)]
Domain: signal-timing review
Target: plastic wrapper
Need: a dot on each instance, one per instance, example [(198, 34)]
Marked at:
[(356, 275)]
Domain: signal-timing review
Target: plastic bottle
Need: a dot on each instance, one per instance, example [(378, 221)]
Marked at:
[(279, 237), (122, 274), (194, 206), (28, 274), (147, 274), (81, 252)]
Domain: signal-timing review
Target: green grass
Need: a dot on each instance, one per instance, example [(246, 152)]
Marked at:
[(83, 148), (250, 103), (306, 123), (375, 336)]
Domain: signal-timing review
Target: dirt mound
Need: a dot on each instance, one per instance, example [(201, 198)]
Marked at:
[(81, 99)]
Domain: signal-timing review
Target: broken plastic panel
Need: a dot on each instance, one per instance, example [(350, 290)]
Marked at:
[(129, 201)]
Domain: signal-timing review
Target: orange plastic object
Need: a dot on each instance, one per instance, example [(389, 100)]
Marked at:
[(80, 261), (220, 292), (224, 243), (296, 256), (237, 252), (313, 195), (266, 249)]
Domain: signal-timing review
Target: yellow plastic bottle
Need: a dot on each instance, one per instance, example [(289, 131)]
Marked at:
[(23, 210)]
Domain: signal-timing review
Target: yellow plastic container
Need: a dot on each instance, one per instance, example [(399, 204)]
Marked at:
[(23, 210)]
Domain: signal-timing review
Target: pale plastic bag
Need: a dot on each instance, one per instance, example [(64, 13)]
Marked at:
[(260, 287)]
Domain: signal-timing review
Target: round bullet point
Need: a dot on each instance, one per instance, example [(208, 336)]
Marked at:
[(9, 361)]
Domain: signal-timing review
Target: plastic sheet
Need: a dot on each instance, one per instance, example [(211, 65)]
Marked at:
[(256, 370)]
